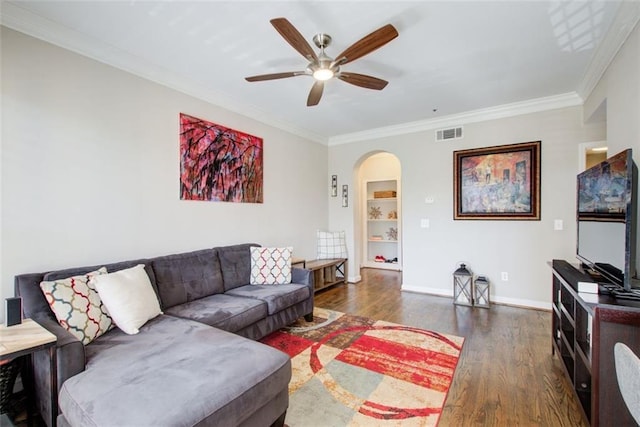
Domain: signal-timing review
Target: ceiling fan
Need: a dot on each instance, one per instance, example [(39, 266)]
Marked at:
[(321, 67)]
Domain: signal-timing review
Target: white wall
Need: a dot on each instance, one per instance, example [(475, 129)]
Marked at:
[(89, 174), (619, 88), (90, 169), (520, 248), (619, 91)]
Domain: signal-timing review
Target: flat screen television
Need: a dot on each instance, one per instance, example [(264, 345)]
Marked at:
[(606, 219)]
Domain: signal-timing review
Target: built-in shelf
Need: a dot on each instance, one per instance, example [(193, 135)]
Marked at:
[(381, 216)]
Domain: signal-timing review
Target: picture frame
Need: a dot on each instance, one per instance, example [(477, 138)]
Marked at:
[(334, 185), (497, 183), (219, 164)]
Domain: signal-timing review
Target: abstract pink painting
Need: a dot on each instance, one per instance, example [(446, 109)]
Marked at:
[(218, 163)]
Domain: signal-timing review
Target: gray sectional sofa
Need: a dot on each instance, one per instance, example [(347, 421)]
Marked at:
[(196, 364)]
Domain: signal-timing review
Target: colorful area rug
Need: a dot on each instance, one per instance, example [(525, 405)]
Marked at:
[(354, 371)]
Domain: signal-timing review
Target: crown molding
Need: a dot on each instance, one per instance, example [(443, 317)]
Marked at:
[(627, 17), (19, 19), (26, 22), (498, 112)]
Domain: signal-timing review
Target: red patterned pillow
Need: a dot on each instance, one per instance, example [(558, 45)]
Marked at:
[(270, 266), (77, 306)]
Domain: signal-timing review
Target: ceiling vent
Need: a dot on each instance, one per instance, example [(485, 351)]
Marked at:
[(447, 134)]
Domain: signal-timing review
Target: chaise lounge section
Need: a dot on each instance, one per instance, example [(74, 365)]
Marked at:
[(196, 364)]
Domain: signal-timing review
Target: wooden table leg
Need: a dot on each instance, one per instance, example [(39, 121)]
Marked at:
[(54, 385)]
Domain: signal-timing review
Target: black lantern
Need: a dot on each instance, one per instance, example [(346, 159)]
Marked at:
[(463, 286)]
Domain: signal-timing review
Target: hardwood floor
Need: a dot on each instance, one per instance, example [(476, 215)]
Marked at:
[(506, 376)]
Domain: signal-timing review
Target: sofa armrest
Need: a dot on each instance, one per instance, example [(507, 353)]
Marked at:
[(70, 359), (302, 276)]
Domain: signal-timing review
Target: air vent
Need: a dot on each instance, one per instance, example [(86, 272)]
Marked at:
[(447, 134)]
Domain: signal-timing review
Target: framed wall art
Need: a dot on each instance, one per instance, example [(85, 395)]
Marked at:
[(218, 163), (497, 183), (345, 196)]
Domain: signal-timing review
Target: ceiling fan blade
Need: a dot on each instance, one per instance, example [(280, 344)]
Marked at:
[(363, 80), (315, 94), (274, 76), (294, 38), (368, 43)]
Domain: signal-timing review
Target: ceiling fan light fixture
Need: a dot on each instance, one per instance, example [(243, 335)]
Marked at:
[(323, 74), (321, 66)]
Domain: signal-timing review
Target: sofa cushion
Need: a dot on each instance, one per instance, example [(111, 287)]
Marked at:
[(277, 297), (186, 277), (270, 266), (129, 297), (227, 312), (111, 268), (235, 263), (331, 244), (175, 372), (77, 305)]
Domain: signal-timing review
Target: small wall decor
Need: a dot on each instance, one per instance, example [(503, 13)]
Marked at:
[(334, 185), (375, 212), (345, 196), (392, 215), (392, 234), (218, 163), (500, 182)]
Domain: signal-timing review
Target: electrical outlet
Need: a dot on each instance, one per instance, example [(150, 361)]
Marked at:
[(504, 276)]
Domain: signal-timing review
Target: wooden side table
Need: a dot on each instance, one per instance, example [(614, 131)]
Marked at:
[(328, 272), (298, 262), (25, 339)]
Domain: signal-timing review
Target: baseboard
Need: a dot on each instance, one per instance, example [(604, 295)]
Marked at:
[(540, 305), (429, 291), (354, 279), (517, 302)]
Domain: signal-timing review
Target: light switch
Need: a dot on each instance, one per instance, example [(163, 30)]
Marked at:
[(558, 224), (429, 200), (424, 223)]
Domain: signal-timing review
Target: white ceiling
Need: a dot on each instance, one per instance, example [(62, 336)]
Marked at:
[(450, 58)]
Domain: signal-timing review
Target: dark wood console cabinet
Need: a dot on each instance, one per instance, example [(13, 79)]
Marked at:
[(585, 327)]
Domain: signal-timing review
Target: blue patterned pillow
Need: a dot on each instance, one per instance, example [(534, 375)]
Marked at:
[(77, 305)]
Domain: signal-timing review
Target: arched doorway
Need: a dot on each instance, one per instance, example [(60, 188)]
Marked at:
[(378, 218)]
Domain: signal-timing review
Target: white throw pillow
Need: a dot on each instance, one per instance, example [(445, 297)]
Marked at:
[(77, 305), (270, 266), (129, 297), (332, 244)]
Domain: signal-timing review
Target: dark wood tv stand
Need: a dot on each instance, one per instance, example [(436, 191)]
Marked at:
[(585, 327)]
